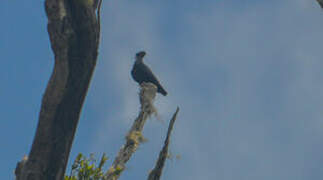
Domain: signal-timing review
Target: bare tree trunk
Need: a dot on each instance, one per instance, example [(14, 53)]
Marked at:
[(74, 31)]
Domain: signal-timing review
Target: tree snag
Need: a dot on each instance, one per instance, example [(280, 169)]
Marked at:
[(156, 173), (74, 31), (134, 136)]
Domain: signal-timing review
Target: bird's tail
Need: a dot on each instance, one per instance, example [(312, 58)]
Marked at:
[(162, 90)]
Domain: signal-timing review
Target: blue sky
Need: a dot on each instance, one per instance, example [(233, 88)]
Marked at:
[(247, 76)]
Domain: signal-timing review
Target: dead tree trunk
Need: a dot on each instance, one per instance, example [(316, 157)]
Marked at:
[(74, 31), (134, 138)]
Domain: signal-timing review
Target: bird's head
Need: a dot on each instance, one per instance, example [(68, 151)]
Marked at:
[(140, 54)]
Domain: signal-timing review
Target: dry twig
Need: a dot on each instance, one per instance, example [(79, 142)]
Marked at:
[(155, 174)]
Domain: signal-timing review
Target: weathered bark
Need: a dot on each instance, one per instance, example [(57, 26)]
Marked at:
[(134, 137), (156, 173), (74, 31)]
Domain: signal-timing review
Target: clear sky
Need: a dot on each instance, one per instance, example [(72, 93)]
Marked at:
[(247, 75)]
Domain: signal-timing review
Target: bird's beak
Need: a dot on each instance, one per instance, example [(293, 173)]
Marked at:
[(141, 54)]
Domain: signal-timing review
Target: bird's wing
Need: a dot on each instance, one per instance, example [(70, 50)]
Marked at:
[(149, 75)]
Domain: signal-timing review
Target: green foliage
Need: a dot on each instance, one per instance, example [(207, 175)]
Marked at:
[(85, 168)]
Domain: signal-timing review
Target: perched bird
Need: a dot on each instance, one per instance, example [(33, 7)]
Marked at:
[(141, 73)]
